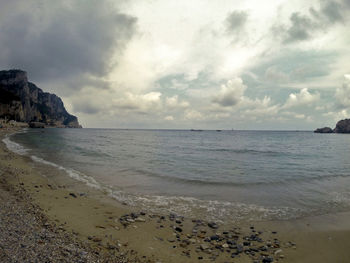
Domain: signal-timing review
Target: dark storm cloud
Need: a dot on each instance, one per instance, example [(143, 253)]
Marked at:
[(333, 11), (57, 40), (299, 29), (305, 27), (236, 21), (346, 3), (86, 107)]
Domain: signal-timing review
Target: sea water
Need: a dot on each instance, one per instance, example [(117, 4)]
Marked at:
[(226, 175)]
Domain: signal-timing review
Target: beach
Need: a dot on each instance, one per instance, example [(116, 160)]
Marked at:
[(110, 231)]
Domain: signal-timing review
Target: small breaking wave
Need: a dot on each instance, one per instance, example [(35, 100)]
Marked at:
[(19, 149), (70, 172), (14, 147), (223, 211)]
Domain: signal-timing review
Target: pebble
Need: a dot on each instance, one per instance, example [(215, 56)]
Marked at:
[(278, 251), (178, 229), (214, 237), (192, 240), (213, 225), (267, 260), (96, 239), (204, 246)]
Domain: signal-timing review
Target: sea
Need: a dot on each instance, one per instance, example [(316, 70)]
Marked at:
[(224, 175)]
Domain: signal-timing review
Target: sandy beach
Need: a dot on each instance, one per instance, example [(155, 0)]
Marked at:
[(100, 229)]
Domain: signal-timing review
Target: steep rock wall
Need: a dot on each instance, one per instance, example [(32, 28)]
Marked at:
[(21, 100)]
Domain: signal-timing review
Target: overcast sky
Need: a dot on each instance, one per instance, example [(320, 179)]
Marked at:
[(206, 64)]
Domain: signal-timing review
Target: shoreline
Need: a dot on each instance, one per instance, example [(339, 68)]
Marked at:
[(146, 237)]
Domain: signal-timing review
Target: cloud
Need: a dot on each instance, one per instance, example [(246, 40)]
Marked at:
[(316, 21), (303, 98), (232, 101), (260, 108), (333, 11), (169, 118), (273, 74), (146, 63), (300, 28), (59, 40), (342, 94), (139, 103), (337, 115), (236, 21), (193, 115), (230, 93), (87, 107), (173, 102)]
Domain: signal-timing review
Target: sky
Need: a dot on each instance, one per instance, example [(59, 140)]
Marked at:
[(203, 64)]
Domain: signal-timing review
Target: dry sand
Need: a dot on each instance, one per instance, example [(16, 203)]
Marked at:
[(92, 217)]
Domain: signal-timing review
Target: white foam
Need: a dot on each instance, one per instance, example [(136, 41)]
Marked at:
[(223, 211), (19, 149), (70, 172), (14, 147)]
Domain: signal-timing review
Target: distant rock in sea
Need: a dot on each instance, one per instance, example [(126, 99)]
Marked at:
[(342, 126), (324, 130), (23, 101)]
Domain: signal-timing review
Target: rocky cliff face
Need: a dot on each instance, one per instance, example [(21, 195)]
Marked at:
[(21, 100), (342, 126)]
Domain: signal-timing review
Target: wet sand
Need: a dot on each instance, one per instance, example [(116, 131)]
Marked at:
[(141, 236)]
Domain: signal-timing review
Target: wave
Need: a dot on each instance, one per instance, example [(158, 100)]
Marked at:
[(252, 152), (187, 206), (88, 180), (266, 181), (208, 209), (14, 147), (21, 150)]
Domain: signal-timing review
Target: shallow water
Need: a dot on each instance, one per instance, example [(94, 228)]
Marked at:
[(228, 175)]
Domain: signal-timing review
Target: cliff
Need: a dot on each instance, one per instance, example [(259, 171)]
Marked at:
[(342, 126), (23, 101)]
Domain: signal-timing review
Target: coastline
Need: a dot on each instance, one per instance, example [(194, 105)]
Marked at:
[(94, 218)]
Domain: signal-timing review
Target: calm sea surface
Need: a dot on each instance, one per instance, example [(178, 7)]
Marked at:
[(230, 175)]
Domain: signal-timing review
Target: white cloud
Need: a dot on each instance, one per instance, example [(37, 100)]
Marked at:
[(299, 116), (303, 98), (337, 115), (141, 103), (260, 108), (174, 102), (169, 118), (342, 94), (231, 93), (193, 115)]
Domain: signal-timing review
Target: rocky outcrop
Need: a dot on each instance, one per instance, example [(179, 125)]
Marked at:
[(342, 126), (23, 101), (324, 130), (35, 124)]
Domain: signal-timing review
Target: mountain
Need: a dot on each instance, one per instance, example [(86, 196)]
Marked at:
[(342, 126), (23, 101)]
